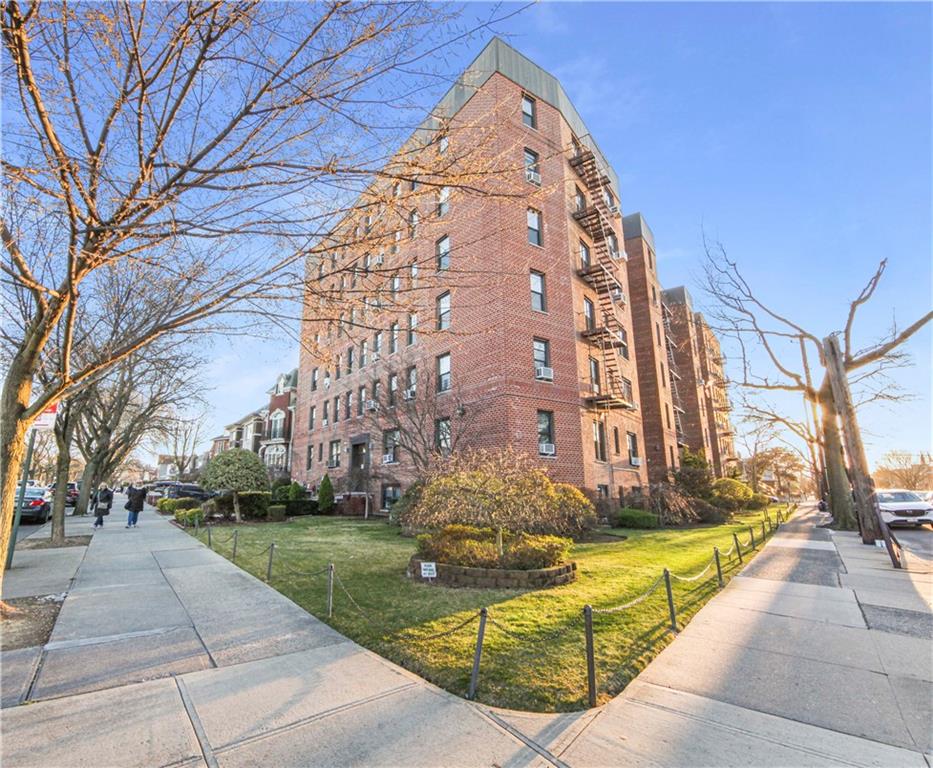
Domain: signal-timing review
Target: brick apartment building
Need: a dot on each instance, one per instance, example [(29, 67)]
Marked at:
[(702, 390), (537, 353), (660, 409)]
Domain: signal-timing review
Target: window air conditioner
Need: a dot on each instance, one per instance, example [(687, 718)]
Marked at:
[(388, 458), (546, 449), (618, 295), (635, 461), (533, 176), (372, 405), (544, 373), (408, 394), (331, 463)]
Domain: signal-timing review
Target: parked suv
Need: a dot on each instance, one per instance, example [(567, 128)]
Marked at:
[(36, 505), (186, 491), (71, 493)]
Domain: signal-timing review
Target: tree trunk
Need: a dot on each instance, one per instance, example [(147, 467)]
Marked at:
[(17, 391), (62, 468), (87, 483), (840, 492), (236, 506)]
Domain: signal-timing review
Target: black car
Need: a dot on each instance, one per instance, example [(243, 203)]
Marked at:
[(71, 493), (36, 505), (186, 491)]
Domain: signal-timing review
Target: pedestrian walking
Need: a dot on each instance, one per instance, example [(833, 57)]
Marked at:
[(137, 498), (103, 500)]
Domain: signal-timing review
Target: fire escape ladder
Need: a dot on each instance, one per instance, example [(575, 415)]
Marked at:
[(674, 376), (596, 218)]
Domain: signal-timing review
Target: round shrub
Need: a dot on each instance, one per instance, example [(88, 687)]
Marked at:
[(527, 552), (758, 501), (574, 513), (730, 494), (476, 548), (237, 471), (636, 518)]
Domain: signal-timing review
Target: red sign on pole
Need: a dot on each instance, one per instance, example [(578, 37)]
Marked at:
[(46, 419)]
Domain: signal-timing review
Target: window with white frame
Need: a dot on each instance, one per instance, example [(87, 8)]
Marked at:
[(599, 440), (535, 236), (393, 388), (595, 383), (585, 258), (277, 426), (412, 328), (442, 253), (538, 292), (393, 338), (333, 454), (390, 440), (442, 311), (442, 435), (632, 440), (546, 432), (443, 372), (532, 167), (443, 201), (589, 314), (529, 111)]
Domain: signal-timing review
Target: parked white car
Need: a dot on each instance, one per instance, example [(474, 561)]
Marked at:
[(900, 507)]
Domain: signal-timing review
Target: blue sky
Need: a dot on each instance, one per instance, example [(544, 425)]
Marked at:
[(799, 135)]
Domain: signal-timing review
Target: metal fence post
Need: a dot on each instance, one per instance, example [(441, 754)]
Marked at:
[(738, 549), (718, 567), (670, 600), (590, 655), (751, 532), (269, 567), (210, 544), (763, 534), (197, 527), (330, 590), (477, 654), (234, 544)]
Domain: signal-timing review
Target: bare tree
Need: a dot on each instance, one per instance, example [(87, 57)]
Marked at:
[(208, 148), (182, 436), (741, 314), (899, 469)]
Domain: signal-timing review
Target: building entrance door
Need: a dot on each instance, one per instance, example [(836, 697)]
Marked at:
[(359, 463)]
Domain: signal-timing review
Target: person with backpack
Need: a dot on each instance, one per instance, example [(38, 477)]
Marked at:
[(137, 498), (103, 500)]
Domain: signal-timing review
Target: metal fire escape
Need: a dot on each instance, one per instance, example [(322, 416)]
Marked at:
[(674, 376), (608, 336)]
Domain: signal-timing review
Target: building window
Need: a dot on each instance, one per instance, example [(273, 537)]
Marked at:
[(413, 219), (325, 418), (390, 446), (314, 380), (585, 259), (663, 380), (442, 436), (350, 360), (627, 392), (338, 366), (393, 338), (623, 339), (670, 448), (579, 200), (442, 253), (390, 494), (667, 414), (442, 311), (412, 328), (594, 376), (602, 490), (411, 378), (532, 167), (393, 388), (442, 143), (376, 387), (529, 111), (312, 415), (616, 447), (654, 295), (364, 346), (657, 333), (443, 372), (443, 201), (336, 409), (361, 401), (413, 184), (632, 440), (589, 315), (348, 405), (277, 424), (320, 451), (333, 454), (599, 440), (613, 245), (538, 292), (534, 227), (309, 457), (377, 345), (395, 286), (546, 433), (541, 351)]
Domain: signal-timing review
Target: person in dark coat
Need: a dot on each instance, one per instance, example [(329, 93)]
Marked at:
[(103, 500), (137, 498)]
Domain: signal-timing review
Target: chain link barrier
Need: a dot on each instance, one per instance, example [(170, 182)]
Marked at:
[(632, 603), (698, 576), (447, 632), (545, 637)]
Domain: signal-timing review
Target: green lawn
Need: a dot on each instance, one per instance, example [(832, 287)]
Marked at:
[(541, 665)]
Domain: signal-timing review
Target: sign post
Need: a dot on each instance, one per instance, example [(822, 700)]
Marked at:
[(45, 420)]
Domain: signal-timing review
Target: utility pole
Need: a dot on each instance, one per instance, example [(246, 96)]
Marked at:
[(869, 514), (20, 496)]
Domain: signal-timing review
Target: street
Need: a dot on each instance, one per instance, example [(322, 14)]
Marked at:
[(917, 541)]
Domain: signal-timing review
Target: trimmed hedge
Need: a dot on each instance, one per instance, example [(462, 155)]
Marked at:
[(253, 505), (758, 501), (276, 513), (192, 516), (171, 506), (636, 518), (466, 545), (296, 508)]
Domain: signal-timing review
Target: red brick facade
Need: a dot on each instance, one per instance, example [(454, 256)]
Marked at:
[(492, 321)]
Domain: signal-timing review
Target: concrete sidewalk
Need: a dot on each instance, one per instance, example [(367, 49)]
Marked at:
[(819, 654), (167, 654)]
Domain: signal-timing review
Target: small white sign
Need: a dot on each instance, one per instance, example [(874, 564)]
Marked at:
[(46, 419), (429, 570)]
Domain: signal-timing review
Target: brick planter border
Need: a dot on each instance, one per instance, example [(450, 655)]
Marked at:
[(463, 576)]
